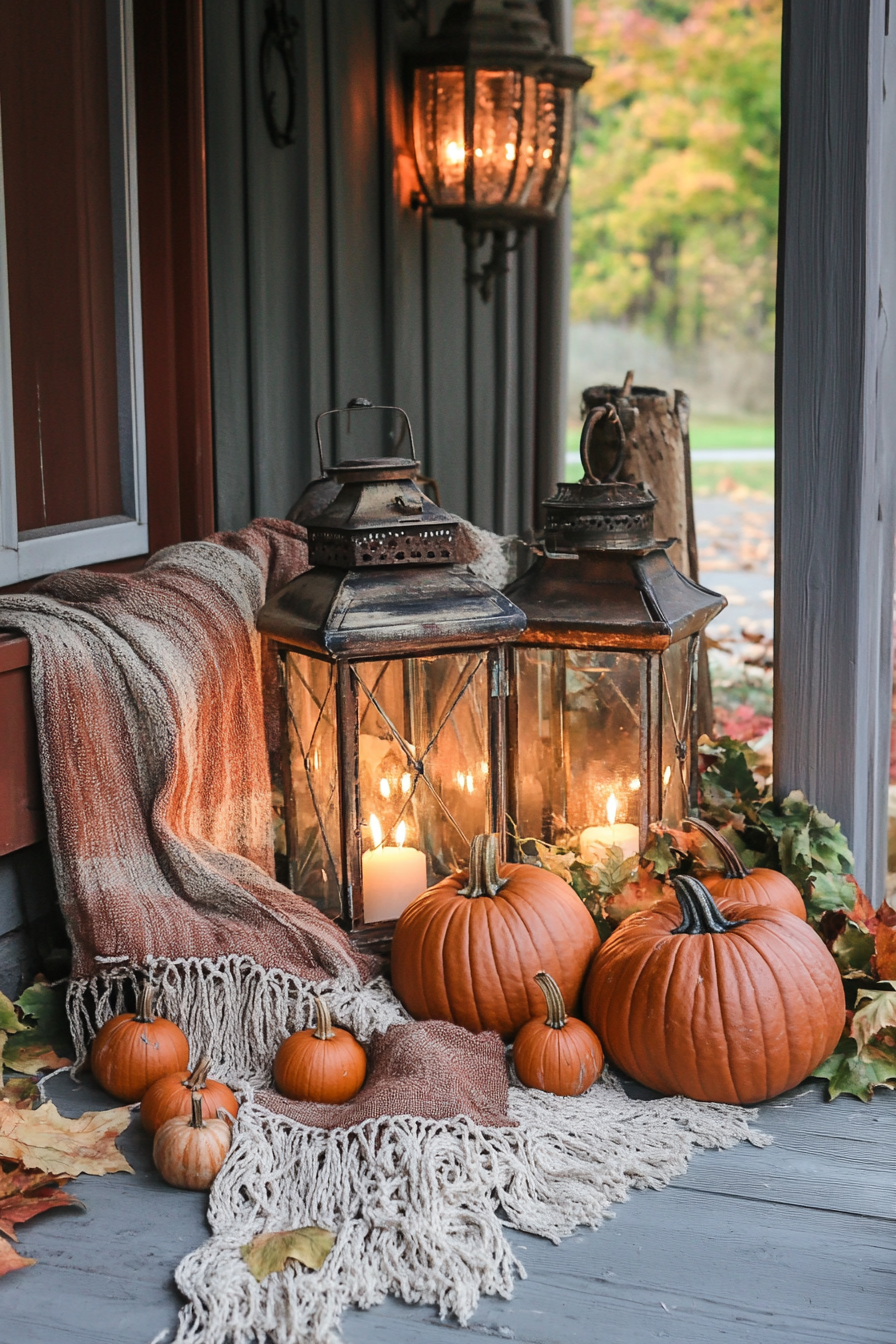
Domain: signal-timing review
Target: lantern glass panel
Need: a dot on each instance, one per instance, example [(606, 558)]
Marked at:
[(423, 757), (439, 133), (553, 146), (677, 700), (313, 814), (578, 753)]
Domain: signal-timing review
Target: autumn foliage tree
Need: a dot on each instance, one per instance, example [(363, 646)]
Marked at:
[(675, 181)]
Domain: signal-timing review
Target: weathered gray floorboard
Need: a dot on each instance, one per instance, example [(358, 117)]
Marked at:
[(735, 1252)]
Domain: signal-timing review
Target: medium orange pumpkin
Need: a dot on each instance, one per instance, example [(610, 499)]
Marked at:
[(172, 1096), (322, 1063), (468, 950), (189, 1151), (557, 1053), (736, 1007), (752, 886), (132, 1050)]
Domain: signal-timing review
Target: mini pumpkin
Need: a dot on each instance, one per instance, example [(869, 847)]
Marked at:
[(735, 1007), (753, 886), (557, 1053), (173, 1094), (132, 1050), (468, 950), (189, 1151), (322, 1063)]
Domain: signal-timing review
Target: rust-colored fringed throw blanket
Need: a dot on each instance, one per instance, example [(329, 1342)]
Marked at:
[(148, 695)]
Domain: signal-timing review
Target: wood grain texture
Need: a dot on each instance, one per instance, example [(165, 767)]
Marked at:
[(21, 801), (835, 423)]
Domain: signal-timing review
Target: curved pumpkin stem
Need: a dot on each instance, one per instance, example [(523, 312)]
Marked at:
[(324, 1030), (553, 998), (700, 914), (734, 866), (199, 1076), (144, 1004), (196, 1120), (483, 879)]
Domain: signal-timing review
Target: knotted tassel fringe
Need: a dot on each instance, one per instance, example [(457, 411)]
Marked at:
[(419, 1206), (233, 1010)]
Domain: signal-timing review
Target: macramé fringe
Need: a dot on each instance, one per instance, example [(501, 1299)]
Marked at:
[(419, 1207), (232, 1009)]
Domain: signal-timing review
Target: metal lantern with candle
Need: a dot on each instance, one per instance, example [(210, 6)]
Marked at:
[(393, 696), (493, 102), (603, 684)]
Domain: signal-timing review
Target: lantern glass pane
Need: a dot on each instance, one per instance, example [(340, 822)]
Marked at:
[(676, 714), (578, 745), (423, 768), (497, 127), (550, 169), (439, 133), (312, 808)]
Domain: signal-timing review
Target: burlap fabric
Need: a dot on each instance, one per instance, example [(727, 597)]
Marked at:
[(434, 1070)]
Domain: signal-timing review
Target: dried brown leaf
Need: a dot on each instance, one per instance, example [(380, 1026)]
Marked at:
[(10, 1259), (20, 1092), (24, 1194), (52, 1142), (268, 1253)]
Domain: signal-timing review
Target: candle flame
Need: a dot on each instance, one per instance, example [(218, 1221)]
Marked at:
[(510, 151), (454, 152), (376, 830), (401, 832), (667, 775), (385, 788), (405, 783), (612, 809)]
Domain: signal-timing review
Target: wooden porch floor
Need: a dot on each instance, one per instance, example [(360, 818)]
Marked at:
[(796, 1243)]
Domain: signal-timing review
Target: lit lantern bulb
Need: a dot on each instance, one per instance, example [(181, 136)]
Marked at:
[(401, 834), (385, 788), (376, 830), (612, 809), (454, 153)]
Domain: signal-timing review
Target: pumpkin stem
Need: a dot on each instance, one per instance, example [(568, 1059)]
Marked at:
[(324, 1030), (483, 879), (700, 914), (196, 1120), (553, 998), (144, 1004), (734, 866), (199, 1076)]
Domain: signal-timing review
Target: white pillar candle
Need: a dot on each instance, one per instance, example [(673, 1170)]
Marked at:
[(595, 840), (392, 875)]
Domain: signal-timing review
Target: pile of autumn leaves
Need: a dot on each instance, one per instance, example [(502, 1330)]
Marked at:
[(41, 1150)]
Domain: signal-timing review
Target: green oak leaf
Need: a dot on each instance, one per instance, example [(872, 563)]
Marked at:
[(268, 1253), (661, 854), (847, 1073)]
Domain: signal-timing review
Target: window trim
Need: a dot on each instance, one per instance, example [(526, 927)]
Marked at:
[(29, 556)]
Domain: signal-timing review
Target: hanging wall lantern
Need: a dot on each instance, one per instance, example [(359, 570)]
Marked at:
[(603, 683), (393, 697), (493, 103)]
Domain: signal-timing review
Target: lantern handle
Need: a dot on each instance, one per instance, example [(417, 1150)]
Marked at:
[(592, 420), (362, 404)]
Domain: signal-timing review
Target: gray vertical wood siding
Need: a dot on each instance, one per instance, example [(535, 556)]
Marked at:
[(326, 284)]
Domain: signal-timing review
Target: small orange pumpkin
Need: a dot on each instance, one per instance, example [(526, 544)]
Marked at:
[(557, 1054), (468, 950), (322, 1063), (172, 1096), (132, 1050), (189, 1151), (751, 886)]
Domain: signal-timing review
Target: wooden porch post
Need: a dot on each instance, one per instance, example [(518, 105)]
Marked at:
[(835, 432)]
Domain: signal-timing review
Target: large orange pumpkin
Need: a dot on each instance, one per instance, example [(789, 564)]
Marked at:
[(132, 1050), (736, 1009), (468, 950), (752, 886), (323, 1063), (557, 1053)]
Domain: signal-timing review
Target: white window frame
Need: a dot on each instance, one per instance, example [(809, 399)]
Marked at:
[(45, 550)]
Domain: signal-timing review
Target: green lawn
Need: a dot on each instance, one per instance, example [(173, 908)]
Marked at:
[(711, 432)]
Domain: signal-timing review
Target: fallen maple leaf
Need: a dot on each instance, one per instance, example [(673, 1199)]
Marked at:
[(10, 1259), (875, 1011), (42, 1034), (268, 1253), (52, 1142), (24, 1194)]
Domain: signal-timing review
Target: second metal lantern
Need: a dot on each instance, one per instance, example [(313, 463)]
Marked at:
[(603, 684), (393, 697)]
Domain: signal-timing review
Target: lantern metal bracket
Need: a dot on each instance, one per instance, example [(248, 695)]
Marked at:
[(278, 39), (497, 263)]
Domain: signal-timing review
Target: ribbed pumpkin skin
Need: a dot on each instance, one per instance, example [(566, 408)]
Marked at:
[(128, 1055), (169, 1097), (471, 960), (190, 1158), (310, 1069), (761, 886), (563, 1060), (737, 1017)]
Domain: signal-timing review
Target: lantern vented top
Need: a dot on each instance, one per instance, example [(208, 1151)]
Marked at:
[(600, 512)]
